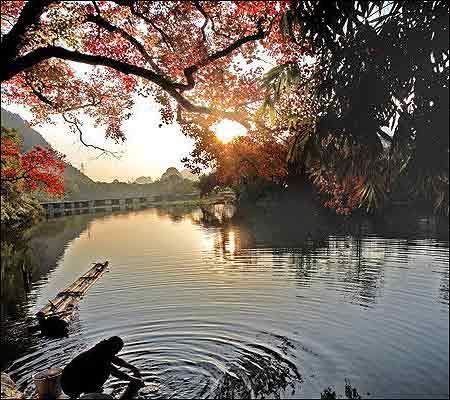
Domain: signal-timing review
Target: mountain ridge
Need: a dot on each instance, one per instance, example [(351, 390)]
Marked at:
[(31, 138)]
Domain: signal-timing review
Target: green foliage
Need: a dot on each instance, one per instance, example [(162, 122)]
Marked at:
[(380, 67), (282, 78), (371, 195), (207, 183), (19, 211), (257, 189)]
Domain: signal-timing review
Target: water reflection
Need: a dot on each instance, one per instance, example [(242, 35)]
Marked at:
[(358, 250), (23, 263), (257, 376), (444, 287), (261, 305)]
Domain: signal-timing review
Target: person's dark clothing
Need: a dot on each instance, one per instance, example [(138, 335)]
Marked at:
[(88, 371)]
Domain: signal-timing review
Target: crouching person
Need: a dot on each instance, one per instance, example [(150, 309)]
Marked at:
[(88, 371)]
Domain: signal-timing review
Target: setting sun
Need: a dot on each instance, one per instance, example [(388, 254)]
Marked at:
[(226, 130)]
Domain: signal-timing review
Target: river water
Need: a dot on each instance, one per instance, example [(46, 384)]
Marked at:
[(263, 307)]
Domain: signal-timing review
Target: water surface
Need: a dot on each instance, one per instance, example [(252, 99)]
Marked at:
[(263, 307)]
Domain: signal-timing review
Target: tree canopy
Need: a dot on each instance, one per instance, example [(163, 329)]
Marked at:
[(356, 98), (382, 91), (181, 51), (39, 169)]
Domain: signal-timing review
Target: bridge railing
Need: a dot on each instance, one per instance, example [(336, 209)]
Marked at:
[(69, 207), (85, 206)]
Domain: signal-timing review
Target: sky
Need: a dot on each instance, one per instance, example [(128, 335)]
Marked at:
[(148, 151)]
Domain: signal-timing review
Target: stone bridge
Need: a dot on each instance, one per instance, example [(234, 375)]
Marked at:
[(72, 207)]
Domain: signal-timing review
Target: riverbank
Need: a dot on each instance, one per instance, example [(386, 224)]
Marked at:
[(9, 389)]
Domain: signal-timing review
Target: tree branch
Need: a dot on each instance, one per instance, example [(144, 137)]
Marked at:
[(136, 13), (73, 123), (76, 126), (29, 16), (175, 89), (384, 135), (189, 71), (199, 7), (47, 101), (97, 10), (43, 53), (100, 21)]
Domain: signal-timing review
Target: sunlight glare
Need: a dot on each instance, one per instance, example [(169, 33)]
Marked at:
[(226, 130), (230, 244)]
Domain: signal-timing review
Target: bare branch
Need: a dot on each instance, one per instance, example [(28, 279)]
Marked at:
[(77, 128), (73, 123), (4, 18)]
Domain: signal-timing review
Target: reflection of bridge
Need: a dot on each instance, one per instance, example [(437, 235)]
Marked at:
[(60, 208)]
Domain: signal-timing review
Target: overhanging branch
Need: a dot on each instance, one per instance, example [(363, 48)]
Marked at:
[(44, 53), (73, 123), (175, 89), (29, 16), (101, 22)]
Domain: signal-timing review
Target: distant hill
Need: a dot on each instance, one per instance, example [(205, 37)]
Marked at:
[(171, 174), (186, 174), (143, 180), (80, 187), (31, 138)]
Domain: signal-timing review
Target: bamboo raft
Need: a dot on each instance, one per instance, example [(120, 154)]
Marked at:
[(55, 317)]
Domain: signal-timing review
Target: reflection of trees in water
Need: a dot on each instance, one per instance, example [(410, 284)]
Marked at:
[(258, 376), (443, 288), (353, 251), (24, 262), (216, 214), (16, 276), (175, 213), (336, 259)]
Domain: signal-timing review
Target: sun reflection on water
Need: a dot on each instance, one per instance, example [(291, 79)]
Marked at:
[(230, 243)]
